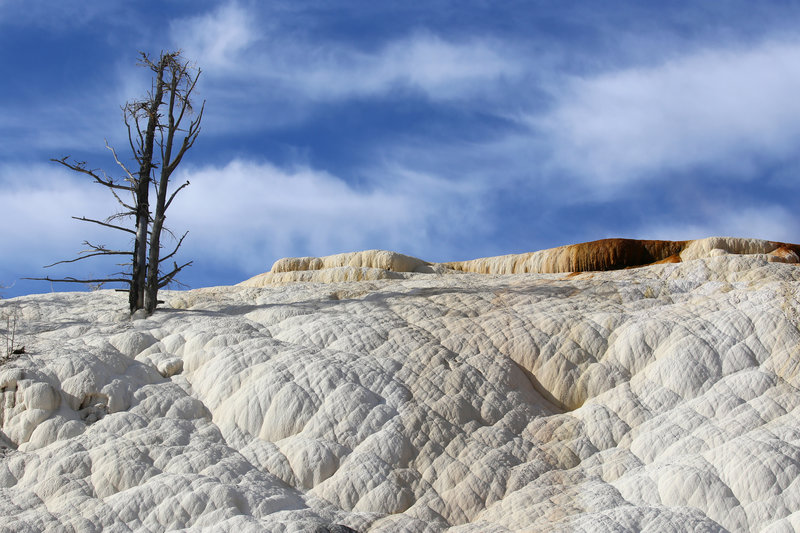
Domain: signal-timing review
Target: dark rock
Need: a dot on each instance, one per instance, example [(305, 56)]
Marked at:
[(335, 528)]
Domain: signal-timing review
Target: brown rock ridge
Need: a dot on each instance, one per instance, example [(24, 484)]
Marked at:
[(605, 254), (615, 254)]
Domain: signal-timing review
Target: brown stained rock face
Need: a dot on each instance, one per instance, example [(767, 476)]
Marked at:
[(601, 255), (615, 254), (789, 253), (674, 258)]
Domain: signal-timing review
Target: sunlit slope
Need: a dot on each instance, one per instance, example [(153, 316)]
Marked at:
[(650, 399)]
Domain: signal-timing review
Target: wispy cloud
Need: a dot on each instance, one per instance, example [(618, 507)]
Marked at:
[(723, 109), (771, 222), (229, 43), (241, 216), (52, 15), (246, 214), (422, 61), (38, 202), (217, 39)]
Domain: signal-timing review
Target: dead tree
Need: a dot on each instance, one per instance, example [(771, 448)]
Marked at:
[(176, 80), (162, 127)]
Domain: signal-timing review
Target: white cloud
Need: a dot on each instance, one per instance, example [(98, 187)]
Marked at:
[(721, 109), (241, 216), (38, 203), (247, 214), (425, 62), (229, 43), (216, 39), (770, 222)]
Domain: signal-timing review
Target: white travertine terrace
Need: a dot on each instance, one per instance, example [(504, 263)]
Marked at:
[(423, 397)]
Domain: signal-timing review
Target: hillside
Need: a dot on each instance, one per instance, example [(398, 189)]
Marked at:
[(560, 390)]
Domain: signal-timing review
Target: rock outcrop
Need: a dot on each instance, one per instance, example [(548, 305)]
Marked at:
[(615, 254), (355, 266), (661, 398), (602, 255)]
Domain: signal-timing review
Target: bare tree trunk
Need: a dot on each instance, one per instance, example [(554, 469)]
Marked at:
[(151, 289), (175, 114), (136, 297)]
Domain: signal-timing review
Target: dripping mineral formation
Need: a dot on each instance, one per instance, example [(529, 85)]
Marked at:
[(561, 390)]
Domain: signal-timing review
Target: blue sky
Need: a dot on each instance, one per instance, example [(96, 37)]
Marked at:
[(445, 130)]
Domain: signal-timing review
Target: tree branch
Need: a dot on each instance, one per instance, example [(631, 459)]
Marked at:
[(80, 166), (175, 250), (188, 141), (106, 224), (186, 102), (118, 216), (93, 251), (128, 110), (176, 191), (123, 204), (73, 280), (121, 165), (167, 278), (87, 256)]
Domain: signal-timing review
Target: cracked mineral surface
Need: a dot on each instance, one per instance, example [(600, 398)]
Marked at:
[(383, 393)]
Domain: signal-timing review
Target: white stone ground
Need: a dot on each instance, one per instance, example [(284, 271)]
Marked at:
[(662, 398)]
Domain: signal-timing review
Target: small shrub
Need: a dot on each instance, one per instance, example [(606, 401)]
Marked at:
[(11, 320)]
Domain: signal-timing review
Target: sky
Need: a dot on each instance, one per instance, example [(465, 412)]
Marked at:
[(446, 130)]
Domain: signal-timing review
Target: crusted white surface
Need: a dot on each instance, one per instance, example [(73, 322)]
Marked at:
[(656, 399)]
